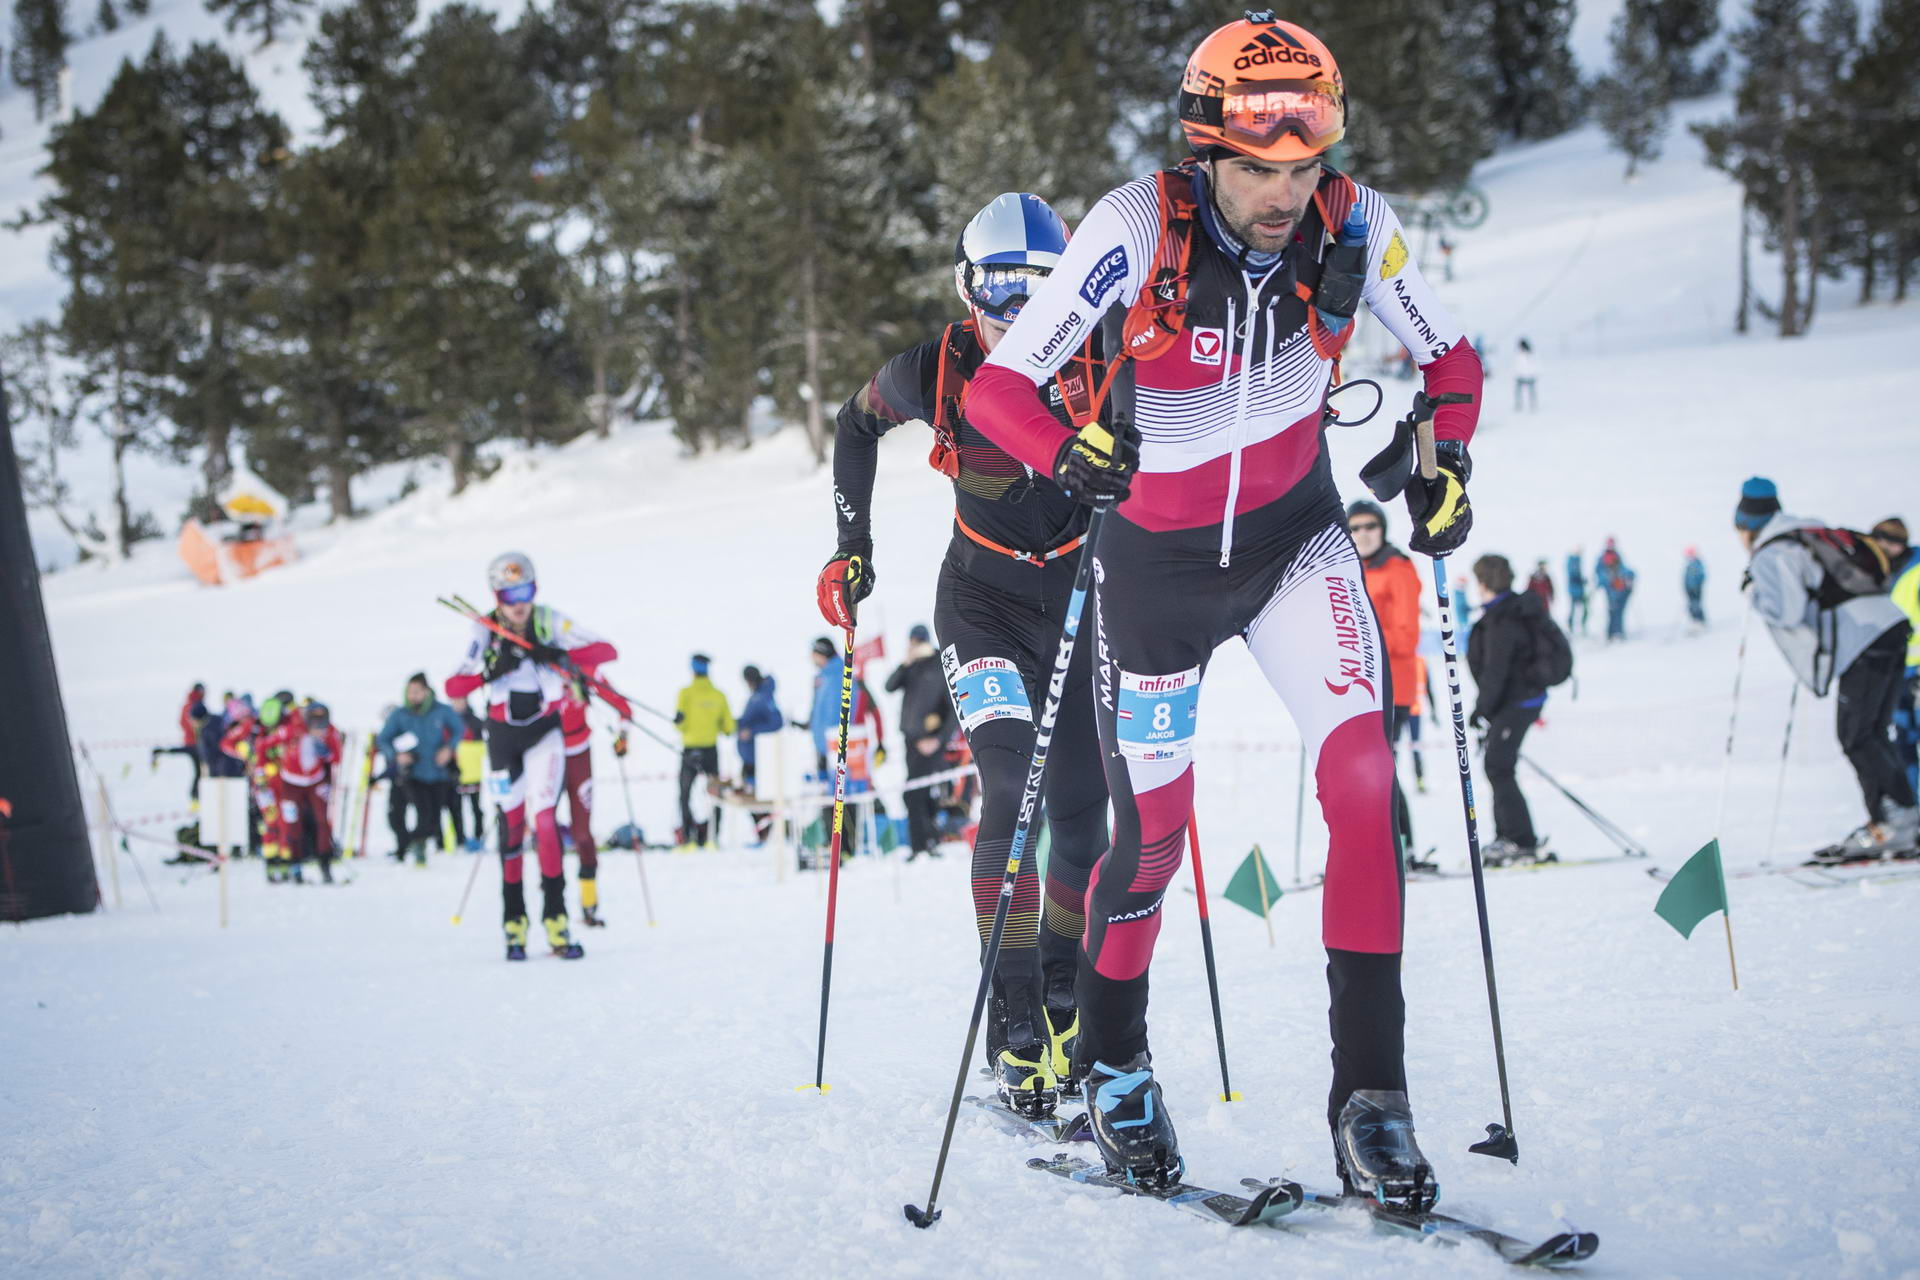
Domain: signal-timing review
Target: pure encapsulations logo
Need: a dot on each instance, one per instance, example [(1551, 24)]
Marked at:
[(1272, 47), (1106, 273)]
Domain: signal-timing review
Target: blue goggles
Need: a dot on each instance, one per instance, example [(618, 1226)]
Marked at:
[(518, 593), (1001, 289)]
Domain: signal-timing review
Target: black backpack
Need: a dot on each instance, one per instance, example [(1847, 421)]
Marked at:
[(1851, 563), (1550, 657)]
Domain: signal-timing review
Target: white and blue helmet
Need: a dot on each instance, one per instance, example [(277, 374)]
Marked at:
[(1006, 250)]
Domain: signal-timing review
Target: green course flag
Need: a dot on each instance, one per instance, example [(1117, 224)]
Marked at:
[(1253, 885), (1696, 891)]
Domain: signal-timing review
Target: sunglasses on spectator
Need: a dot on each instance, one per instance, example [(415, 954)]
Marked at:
[(1361, 526)]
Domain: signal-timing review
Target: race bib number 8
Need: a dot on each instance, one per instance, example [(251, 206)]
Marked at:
[(1156, 715), (987, 689)]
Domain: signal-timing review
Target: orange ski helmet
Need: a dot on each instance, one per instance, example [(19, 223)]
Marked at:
[(1264, 88)]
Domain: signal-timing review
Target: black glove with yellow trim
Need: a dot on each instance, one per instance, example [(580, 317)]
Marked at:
[(1442, 516), (1096, 466)]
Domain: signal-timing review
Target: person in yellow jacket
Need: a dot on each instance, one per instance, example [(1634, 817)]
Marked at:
[(1903, 579), (704, 718)]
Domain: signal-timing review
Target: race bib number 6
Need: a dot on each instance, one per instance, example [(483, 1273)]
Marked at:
[(987, 689), (1156, 715)]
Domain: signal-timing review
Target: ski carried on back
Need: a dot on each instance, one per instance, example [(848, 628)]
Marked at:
[(1270, 1202), (1560, 1250)]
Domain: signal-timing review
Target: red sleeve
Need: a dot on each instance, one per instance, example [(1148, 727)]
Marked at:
[(1007, 408), (1458, 370), (589, 656), (459, 686)]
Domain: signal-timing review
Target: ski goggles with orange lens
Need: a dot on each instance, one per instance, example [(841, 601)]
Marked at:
[(1257, 112)]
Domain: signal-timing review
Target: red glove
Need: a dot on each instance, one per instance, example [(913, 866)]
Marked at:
[(847, 580)]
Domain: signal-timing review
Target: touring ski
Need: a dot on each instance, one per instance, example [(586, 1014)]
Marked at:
[(1271, 1201), (1054, 1128), (1560, 1250)]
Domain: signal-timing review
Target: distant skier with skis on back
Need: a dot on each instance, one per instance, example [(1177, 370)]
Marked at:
[(1823, 594), (526, 679), (1238, 274), (999, 607)]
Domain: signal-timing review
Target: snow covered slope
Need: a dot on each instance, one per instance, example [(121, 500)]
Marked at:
[(344, 1084)]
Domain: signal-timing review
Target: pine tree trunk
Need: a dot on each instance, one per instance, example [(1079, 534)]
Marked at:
[(460, 458), (1816, 257), (602, 403), (218, 465), (1867, 260), (683, 326), (339, 466), (122, 437), (1790, 255), (810, 325), (1746, 269)]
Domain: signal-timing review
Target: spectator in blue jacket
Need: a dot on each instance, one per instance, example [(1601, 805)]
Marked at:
[(1576, 592), (418, 742), (760, 715), (1694, 579), (1614, 578)]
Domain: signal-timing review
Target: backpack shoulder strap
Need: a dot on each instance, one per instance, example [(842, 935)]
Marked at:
[(949, 390), (1159, 313)]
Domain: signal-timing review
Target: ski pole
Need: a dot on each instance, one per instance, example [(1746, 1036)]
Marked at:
[(819, 1084), (1733, 719), (639, 845), (1500, 1140), (472, 876), (1627, 844), (1206, 946), (1786, 744), (1029, 805)]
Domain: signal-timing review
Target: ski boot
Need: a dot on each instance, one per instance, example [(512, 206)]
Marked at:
[(517, 938), (1505, 853), (1130, 1125), (1018, 1053), (590, 917), (560, 938), (1376, 1154), (1063, 1036), (1865, 843), (1902, 829)]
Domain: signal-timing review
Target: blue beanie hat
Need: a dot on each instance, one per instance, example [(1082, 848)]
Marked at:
[(1759, 503)]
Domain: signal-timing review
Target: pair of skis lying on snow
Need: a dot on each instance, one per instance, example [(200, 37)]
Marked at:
[(1273, 1201)]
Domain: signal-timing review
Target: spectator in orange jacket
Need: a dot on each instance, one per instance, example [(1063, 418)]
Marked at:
[(1394, 586)]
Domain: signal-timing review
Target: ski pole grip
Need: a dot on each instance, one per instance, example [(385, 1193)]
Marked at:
[(1423, 441)]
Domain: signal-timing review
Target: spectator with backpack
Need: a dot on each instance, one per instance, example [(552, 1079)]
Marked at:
[(1693, 579), (1516, 654), (1823, 594), (1541, 584), (1577, 592), (1611, 574)]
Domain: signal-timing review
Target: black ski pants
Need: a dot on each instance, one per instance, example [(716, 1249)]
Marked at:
[(694, 762), (921, 835), (1868, 691), (1506, 730), (999, 630)]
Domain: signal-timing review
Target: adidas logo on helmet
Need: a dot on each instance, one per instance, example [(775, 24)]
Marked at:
[(1273, 47)]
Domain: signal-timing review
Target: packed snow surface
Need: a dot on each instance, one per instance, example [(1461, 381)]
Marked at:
[(343, 1083)]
